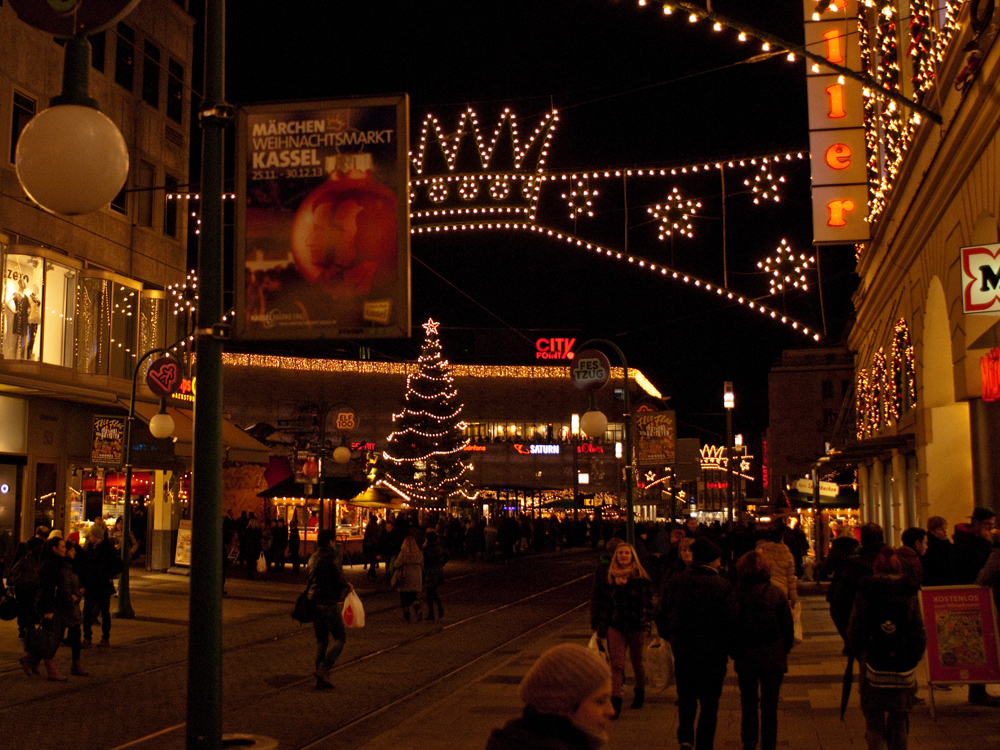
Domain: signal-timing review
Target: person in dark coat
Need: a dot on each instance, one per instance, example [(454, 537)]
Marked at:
[(699, 612), (764, 635), (24, 579), (327, 587), (939, 559), (911, 554), (100, 563), (370, 546), (621, 610), (294, 540), (55, 603), (279, 544), (252, 545), (886, 632), (855, 567), (567, 697), (435, 557)]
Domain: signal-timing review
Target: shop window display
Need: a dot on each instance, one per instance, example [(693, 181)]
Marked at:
[(38, 320)]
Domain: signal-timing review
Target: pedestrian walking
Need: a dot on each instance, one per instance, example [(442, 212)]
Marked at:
[(853, 568), (24, 578), (886, 633), (370, 546), (409, 564), (251, 545), (55, 603), (294, 540), (697, 617), (621, 610), (567, 697), (435, 557), (327, 587), (763, 636), (279, 544), (100, 563), (939, 560), (780, 563)]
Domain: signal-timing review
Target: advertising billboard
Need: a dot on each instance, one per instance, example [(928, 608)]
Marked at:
[(656, 438), (323, 220), (962, 643)]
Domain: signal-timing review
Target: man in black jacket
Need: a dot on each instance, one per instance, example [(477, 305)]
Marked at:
[(326, 589), (695, 617), (100, 563)]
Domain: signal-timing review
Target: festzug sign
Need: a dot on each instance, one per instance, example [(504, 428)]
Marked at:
[(980, 278), (554, 348)]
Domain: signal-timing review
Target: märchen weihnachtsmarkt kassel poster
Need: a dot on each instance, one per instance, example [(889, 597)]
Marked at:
[(323, 220)]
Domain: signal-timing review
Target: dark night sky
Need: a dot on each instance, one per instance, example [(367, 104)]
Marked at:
[(634, 88)]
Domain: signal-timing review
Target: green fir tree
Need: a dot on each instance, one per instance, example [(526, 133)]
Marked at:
[(424, 460)]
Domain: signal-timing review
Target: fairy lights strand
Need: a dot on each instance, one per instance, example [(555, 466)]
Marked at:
[(780, 279), (673, 206), (635, 261)]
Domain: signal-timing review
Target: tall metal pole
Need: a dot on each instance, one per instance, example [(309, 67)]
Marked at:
[(204, 699), (728, 403), (124, 609), (629, 451)]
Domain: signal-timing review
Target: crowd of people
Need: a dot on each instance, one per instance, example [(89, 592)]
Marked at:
[(62, 589)]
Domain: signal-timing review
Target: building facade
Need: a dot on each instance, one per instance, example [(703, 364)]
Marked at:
[(84, 297), (927, 439)]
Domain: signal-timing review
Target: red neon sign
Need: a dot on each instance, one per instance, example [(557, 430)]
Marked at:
[(554, 348)]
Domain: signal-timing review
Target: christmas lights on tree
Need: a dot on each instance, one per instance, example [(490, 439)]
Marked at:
[(424, 461)]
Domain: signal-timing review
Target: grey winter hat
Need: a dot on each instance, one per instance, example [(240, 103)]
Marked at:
[(562, 678)]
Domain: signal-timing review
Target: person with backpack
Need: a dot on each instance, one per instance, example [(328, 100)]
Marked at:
[(763, 636), (887, 634), (23, 577)]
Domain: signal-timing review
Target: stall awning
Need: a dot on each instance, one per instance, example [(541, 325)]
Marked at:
[(337, 488), (238, 446), (858, 451), (377, 497)]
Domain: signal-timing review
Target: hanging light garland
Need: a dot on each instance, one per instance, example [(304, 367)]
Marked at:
[(580, 200)]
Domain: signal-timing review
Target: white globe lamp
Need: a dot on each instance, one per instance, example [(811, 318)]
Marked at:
[(341, 454), (594, 424), (162, 424)]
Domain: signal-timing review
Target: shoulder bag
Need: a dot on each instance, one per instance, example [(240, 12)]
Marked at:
[(303, 610)]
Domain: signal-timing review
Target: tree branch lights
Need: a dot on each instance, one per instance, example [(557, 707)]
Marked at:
[(783, 258), (673, 206), (425, 459)]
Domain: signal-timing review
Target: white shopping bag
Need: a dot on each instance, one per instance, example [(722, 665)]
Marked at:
[(354, 613)]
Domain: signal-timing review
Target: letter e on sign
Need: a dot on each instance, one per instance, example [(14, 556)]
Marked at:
[(838, 156)]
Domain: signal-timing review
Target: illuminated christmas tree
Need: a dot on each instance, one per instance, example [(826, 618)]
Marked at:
[(424, 460)]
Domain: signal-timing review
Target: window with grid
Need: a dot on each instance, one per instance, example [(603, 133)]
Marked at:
[(175, 90), (125, 57), (151, 75)]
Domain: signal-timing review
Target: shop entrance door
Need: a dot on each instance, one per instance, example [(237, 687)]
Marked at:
[(45, 496)]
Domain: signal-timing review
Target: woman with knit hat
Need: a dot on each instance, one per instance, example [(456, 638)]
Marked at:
[(621, 610), (567, 697)]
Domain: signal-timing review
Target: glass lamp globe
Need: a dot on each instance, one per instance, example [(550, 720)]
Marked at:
[(341, 454), (161, 425), (594, 424), (71, 159)]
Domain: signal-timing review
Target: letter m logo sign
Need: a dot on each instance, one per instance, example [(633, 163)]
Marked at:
[(981, 279)]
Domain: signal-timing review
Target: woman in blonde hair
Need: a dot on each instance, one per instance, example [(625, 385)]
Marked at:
[(621, 610), (410, 564)]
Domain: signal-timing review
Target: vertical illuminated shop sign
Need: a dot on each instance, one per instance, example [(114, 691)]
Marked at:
[(836, 124)]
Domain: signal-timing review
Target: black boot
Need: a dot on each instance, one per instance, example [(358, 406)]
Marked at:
[(638, 697), (616, 703)]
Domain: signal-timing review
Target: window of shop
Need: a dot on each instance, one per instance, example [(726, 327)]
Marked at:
[(124, 330), (152, 322), (125, 57), (24, 109), (175, 91), (107, 326), (59, 314), (98, 47), (145, 174), (45, 494), (151, 75)]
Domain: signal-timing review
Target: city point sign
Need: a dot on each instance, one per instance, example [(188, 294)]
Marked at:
[(554, 348)]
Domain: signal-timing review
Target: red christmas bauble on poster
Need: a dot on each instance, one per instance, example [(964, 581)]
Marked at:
[(344, 234)]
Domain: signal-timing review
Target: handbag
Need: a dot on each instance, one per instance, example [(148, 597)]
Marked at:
[(303, 609), (797, 622), (8, 605), (261, 563), (658, 660), (353, 612), (597, 645), (43, 641)]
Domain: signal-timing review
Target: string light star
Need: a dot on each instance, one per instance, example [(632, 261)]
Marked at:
[(579, 200), (431, 327), (765, 185), (675, 206), (785, 258)]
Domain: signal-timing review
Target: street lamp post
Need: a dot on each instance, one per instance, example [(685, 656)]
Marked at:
[(729, 402), (594, 423), (160, 426)]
